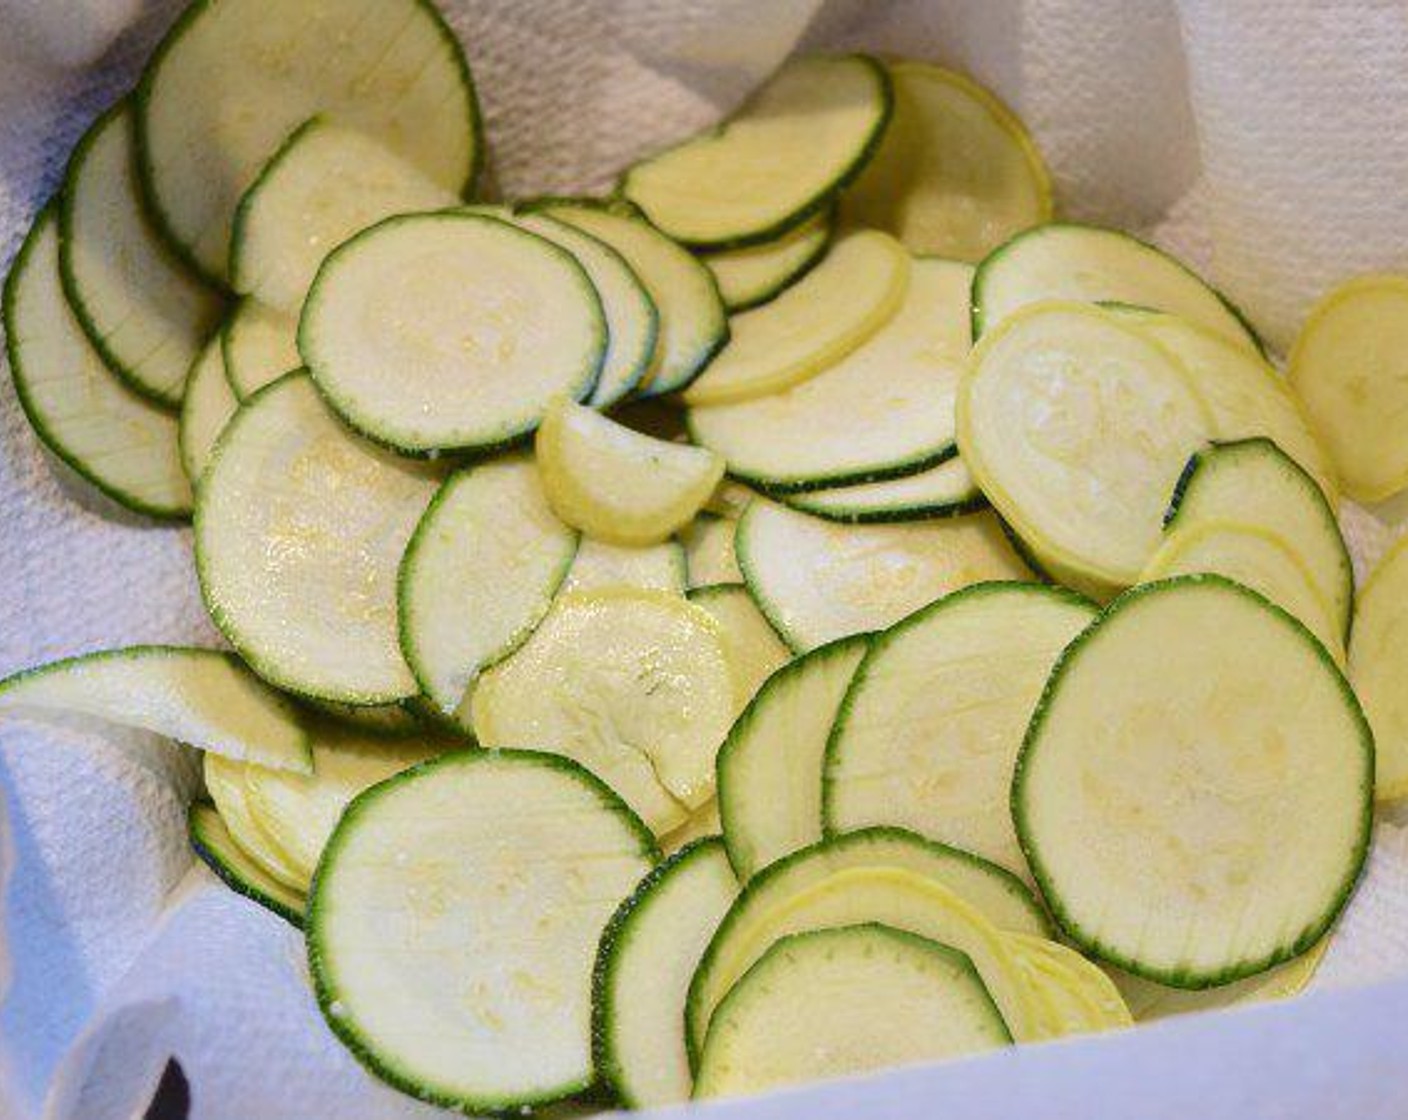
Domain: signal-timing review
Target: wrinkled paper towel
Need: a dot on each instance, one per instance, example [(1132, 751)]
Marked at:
[(1266, 139)]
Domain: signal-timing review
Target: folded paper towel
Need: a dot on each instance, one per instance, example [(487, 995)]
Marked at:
[(1262, 138)]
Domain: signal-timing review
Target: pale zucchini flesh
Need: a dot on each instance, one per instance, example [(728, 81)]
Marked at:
[(142, 309), (755, 274), (780, 158), (752, 646), (1193, 814), (817, 581), (598, 566), (299, 534), (454, 921), (218, 851), (842, 302), (947, 490), (208, 405), (884, 410), (708, 547), (846, 1001), (703, 823), (224, 781), (260, 345), (450, 331), (1377, 659), (956, 173)]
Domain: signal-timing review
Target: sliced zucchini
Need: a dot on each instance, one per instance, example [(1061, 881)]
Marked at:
[(616, 484), (769, 768), (208, 406), (753, 648), (479, 573), (930, 728), (692, 323), (842, 302), (837, 1002), (1348, 367), (708, 548), (703, 822), (260, 345), (450, 331), (1254, 482), (1066, 261), (779, 159), (634, 685), (598, 566), (1076, 426), (218, 851), (884, 410), (248, 71), (647, 957), (947, 490), (956, 173), (454, 922), (300, 529), (224, 781), (755, 274), (325, 183), (1254, 557), (1081, 996), (141, 309), (202, 697), (1194, 814), (122, 443), (816, 580), (398, 719), (1377, 657), (1148, 1001)]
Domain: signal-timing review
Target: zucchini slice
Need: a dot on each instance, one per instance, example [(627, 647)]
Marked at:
[(708, 549), (817, 581), (1348, 367), (218, 851), (142, 310), (692, 323), (399, 719), (1377, 659), (1148, 1001), (884, 410), (260, 345), (702, 823), (122, 443), (450, 331), (930, 728), (1082, 997), (779, 159), (616, 484), (300, 529), (838, 1002), (479, 573), (947, 490), (454, 923), (249, 71), (325, 183), (598, 566), (766, 811), (647, 957), (757, 273), (202, 697), (1254, 557), (1254, 482), (1076, 426), (1207, 818), (634, 685), (208, 406), (842, 302), (956, 173), (753, 648), (224, 781), (1066, 261)]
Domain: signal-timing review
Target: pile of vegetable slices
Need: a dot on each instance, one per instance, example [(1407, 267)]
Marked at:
[(956, 595)]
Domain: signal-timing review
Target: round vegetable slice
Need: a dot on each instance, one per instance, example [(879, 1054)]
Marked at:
[(1348, 367), (142, 310), (754, 650), (849, 296), (780, 158), (755, 274), (616, 484), (450, 331), (884, 410), (454, 921), (1076, 427), (1148, 1001), (299, 533), (249, 71), (260, 345), (218, 851), (598, 565), (845, 1001), (1194, 814), (208, 406), (224, 781), (1082, 996), (956, 173), (930, 728), (947, 490), (1377, 656), (479, 573)]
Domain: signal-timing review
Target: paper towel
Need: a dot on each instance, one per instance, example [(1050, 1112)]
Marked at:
[(1263, 139)]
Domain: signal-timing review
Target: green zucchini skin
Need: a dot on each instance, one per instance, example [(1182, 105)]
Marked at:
[(210, 855), (889, 515), (767, 295), (781, 489)]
